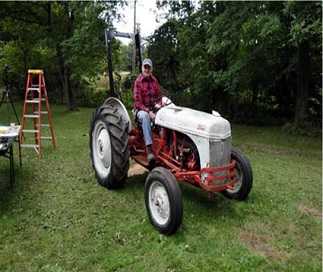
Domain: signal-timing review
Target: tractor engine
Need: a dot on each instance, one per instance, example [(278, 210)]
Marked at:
[(204, 138), (184, 152)]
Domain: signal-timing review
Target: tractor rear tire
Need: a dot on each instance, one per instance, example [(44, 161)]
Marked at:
[(243, 187), (109, 147), (163, 199)]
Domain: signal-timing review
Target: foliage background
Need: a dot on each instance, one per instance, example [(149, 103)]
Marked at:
[(255, 62)]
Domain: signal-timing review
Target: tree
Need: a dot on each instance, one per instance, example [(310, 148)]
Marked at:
[(65, 38), (306, 35), (243, 57)]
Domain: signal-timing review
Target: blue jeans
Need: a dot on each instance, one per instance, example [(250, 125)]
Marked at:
[(144, 120)]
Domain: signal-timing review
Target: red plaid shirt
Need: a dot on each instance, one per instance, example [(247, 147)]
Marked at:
[(146, 93)]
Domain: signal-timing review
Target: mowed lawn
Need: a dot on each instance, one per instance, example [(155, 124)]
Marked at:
[(57, 218)]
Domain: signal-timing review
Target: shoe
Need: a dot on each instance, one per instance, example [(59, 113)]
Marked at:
[(150, 155), (150, 158)]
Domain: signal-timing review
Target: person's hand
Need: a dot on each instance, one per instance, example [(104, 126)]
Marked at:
[(158, 106), (152, 116)]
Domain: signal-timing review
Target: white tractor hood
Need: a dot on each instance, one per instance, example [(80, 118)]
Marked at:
[(198, 123)]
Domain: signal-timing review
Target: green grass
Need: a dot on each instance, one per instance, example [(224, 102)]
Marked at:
[(56, 218)]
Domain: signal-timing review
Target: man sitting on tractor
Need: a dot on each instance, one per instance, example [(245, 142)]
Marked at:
[(147, 100)]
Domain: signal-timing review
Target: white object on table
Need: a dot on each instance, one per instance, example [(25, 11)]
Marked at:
[(7, 135), (9, 131)]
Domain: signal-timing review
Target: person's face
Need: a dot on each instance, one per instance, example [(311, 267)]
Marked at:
[(147, 70)]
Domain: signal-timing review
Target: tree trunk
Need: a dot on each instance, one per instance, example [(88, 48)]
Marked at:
[(24, 58), (252, 111), (302, 90), (49, 17), (61, 72), (71, 103), (68, 88)]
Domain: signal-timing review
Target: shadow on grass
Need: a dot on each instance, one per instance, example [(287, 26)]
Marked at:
[(136, 181), (215, 204), (9, 194)]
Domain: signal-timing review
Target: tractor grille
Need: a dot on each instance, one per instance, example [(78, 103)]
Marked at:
[(220, 152)]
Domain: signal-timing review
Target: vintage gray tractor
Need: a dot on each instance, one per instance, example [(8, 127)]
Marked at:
[(189, 146)]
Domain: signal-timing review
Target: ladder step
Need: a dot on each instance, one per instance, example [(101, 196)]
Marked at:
[(30, 130), (31, 115), (35, 100), (33, 89), (46, 137), (42, 112), (29, 145), (45, 125), (32, 101)]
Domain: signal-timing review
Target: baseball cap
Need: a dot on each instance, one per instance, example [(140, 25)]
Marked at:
[(147, 62)]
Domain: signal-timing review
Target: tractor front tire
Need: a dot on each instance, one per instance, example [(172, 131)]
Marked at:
[(242, 188), (109, 147), (163, 199)]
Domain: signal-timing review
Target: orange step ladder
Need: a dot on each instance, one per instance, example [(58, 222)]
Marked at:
[(35, 96)]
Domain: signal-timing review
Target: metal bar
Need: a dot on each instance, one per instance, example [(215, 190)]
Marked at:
[(134, 41), (169, 164), (33, 89), (110, 68), (19, 150), (49, 116), (31, 116), (138, 50), (38, 135), (12, 167), (29, 145), (21, 138), (110, 34), (33, 101), (30, 130), (123, 35), (13, 106)]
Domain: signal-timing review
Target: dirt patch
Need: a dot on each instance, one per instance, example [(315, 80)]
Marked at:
[(310, 211), (136, 169), (260, 244)]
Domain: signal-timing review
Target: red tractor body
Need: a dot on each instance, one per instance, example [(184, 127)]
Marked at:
[(169, 151)]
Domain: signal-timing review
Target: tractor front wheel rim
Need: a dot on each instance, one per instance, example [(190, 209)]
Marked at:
[(159, 203), (239, 176), (102, 149)]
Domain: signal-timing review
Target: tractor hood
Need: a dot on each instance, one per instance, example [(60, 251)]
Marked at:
[(198, 123)]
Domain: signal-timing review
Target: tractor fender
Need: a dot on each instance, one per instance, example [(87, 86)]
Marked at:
[(120, 108)]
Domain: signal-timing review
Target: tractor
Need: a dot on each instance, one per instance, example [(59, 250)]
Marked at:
[(189, 146)]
